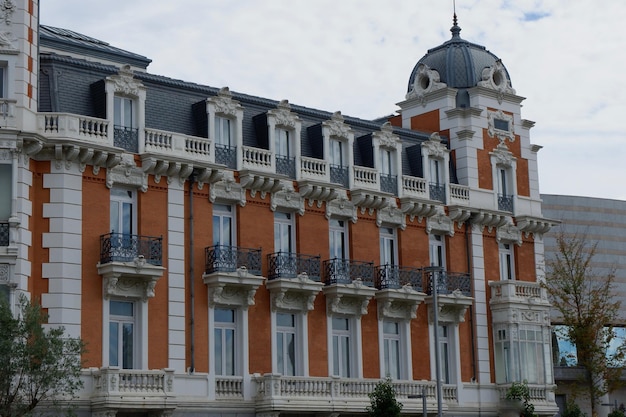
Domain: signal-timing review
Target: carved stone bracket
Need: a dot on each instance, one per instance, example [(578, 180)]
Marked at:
[(490, 219), (459, 215), (418, 208), (227, 191), (440, 223), (296, 295), (341, 207), (370, 200), (452, 307), (209, 175), (135, 279), (232, 288), (287, 199), (260, 182), (391, 215), (535, 225), (348, 299), (127, 173), (398, 303), (509, 233), (320, 192)]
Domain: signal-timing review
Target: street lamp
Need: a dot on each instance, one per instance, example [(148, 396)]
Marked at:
[(434, 274)]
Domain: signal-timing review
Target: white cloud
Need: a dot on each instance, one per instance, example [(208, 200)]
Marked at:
[(356, 56)]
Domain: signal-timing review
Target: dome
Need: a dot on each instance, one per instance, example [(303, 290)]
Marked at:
[(460, 64)]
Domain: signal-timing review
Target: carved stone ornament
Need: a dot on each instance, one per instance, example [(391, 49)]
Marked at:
[(260, 182), (283, 116), (136, 279), (287, 199), (502, 156), (232, 288), (4, 274), (7, 8), (317, 192), (452, 307), (426, 80), (489, 219), (224, 103), (509, 233), (124, 82), (227, 191), (495, 78), (391, 215), (386, 138), (501, 134), (337, 128), (127, 173), (341, 208), (7, 43), (440, 223), (296, 295), (370, 200), (433, 147), (417, 208), (534, 225), (398, 304), (348, 299)]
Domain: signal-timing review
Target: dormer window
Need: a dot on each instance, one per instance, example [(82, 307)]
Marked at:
[(225, 117), (503, 167), (223, 131), (437, 180), (436, 159), (125, 134), (126, 103)]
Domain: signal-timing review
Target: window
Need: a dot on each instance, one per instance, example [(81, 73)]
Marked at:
[(436, 174), (444, 355), (6, 186), (389, 272), (225, 345), (521, 359), (386, 162), (283, 232), (437, 180), (338, 239), (505, 191), (3, 92), (286, 345), (341, 340), (223, 131), (122, 215), (282, 142), (337, 156), (123, 112), (437, 250), (391, 347), (501, 124), (506, 261), (223, 225), (122, 334)]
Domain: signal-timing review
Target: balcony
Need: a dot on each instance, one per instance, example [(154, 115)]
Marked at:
[(291, 265), (286, 165), (345, 271), (505, 203), (437, 192), (297, 395), (133, 389), (399, 291), (450, 282), (130, 264), (126, 138), (293, 281), (232, 274), (339, 175), (541, 396), (226, 155), (389, 184), (4, 234), (453, 290), (512, 292), (349, 285)]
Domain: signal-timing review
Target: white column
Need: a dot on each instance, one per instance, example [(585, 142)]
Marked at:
[(64, 242), (176, 275), (480, 307)]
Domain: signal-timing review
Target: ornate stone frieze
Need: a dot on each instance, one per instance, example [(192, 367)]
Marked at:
[(336, 127), (426, 81), (232, 288), (136, 279), (227, 191), (283, 115), (127, 173), (398, 304), (7, 8), (433, 147), (125, 83), (502, 156), (224, 103), (452, 307), (4, 274), (386, 138), (501, 134), (341, 208)]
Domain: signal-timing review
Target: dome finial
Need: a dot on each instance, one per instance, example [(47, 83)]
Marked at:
[(455, 29)]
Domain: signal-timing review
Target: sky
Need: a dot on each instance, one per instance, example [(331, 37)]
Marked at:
[(568, 58)]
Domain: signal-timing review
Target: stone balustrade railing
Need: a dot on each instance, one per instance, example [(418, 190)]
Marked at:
[(314, 169), (228, 387), (116, 381), (513, 290), (365, 177), (258, 159), (72, 126), (175, 144)]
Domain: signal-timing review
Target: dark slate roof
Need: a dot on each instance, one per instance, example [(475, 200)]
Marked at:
[(71, 85), (72, 42), (460, 63)]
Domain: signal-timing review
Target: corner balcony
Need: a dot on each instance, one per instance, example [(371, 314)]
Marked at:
[(232, 274), (131, 265), (293, 281), (298, 395), (132, 389), (512, 293)]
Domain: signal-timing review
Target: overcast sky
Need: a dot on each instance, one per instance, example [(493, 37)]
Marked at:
[(568, 58)]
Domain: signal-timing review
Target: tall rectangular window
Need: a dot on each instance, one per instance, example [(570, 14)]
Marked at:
[(225, 344), (436, 173), (223, 131), (283, 232), (3, 92), (282, 142), (223, 225), (341, 339), (388, 246), (444, 354), (502, 182), (391, 346), (506, 261), (337, 156), (6, 193), (122, 213), (531, 354), (286, 345), (437, 250), (386, 162), (338, 239), (123, 112), (122, 334)]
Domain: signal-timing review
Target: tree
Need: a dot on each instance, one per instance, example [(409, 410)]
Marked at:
[(38, 367), (585, 302), (383, 401)]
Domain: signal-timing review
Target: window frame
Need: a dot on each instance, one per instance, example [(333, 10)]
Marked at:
[(219, 122), (224, 326), (343, 354), (222, 212), (140, 329), (506, 252), (437, 246), (121, 105), (338, 239), (283, 220)]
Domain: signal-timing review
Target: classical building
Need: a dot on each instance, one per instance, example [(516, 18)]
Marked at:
[(602, 222), (224, 254)]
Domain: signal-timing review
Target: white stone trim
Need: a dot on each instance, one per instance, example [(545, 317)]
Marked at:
[(176, 276)]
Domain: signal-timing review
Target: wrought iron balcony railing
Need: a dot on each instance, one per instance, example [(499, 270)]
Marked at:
[(437, 192), (344, 271), (286, 165), (4, 234), (224, 258), (448, 282), (505, 203), (339, 175), (290, 265), (389, 183), (394, 276), (126, 138), (120, 247), (226, 155)]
